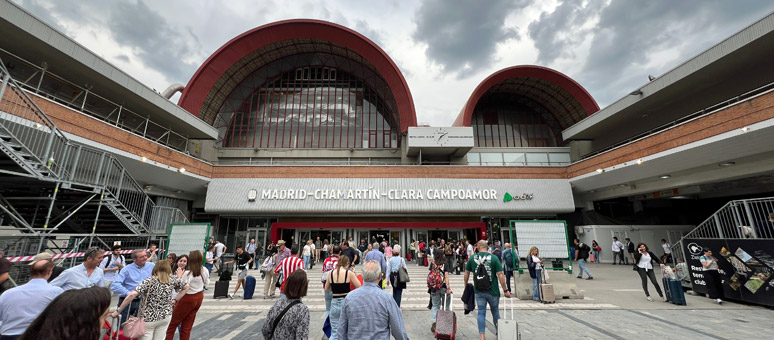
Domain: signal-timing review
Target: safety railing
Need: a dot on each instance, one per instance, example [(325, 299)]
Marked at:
[(162, 217), (42, 82), (749, 218)]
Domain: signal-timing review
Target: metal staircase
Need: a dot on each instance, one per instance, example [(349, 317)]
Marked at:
[(38, 163)]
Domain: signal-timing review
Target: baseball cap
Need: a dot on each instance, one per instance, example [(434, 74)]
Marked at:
[(40, 257)]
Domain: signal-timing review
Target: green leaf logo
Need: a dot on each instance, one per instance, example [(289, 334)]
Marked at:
[(507, 197)]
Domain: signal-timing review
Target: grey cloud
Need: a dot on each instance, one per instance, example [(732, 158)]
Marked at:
[(554, 32), (123, 57), (159, 46), (362, 27), (629, 33), (463, 35)]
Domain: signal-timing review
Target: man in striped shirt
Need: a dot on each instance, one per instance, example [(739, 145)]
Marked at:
[(288, 266)]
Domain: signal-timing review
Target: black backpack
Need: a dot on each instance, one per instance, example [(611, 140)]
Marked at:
[(482, 282), (583, 251), (225, 275)]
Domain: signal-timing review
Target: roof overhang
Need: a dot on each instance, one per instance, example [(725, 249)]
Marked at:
[(31, 39), (734, 66)]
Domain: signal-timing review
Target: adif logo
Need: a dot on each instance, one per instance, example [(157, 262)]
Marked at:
[(695, 249), (508, 197)]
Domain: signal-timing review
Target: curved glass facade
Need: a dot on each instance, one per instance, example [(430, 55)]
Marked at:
[(509, 120), (309, 107)]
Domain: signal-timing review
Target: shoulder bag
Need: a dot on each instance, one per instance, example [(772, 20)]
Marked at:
[(403, 275), (279, 317), (134, 327)]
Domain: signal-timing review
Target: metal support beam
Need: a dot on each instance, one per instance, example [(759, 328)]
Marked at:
[(48, 216), (85, 95), (16, 218), (5, 84), (719, 226), (75, 163), (40, 81), (120, 108), (99, 168), (96, 217), (71, 214), (750, 218)]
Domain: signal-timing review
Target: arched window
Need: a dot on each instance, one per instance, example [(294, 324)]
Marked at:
[(508, 120), (316, 105)]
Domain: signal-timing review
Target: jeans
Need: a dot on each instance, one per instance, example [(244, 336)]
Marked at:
[(209, 267), (482, 299), (397, 293), (582, 265), (536, 285), (306, 262), (131, 310), (596, 256), (156, 329), (328, 298), (437, 297), (336, 304), (644, 275), (508, 274)]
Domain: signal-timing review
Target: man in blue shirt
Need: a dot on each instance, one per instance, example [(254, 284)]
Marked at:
[(85, 275), (21, 305), (376, 255), (129, 278), (369, 312)]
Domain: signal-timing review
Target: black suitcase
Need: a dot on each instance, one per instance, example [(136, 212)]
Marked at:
[(221, 289)]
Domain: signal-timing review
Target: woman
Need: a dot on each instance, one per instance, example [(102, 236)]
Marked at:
[(643, 260), (210, 258), (172, 258), (431, 253), (393, 266), (307, 254), (74, 314), (155, 306), (595, 249), (437, 295), (270, 249), (535, 266), (180, 266), (324, 254), (197, 277), (293, 324), (388, 252), (712, 276), (368, 249), (338, 282)]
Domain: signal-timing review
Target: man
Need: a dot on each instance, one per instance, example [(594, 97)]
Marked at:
[(369, 312), (270, 285), (378, 257), (152, 256), (582, 251), (243, 261), (448, 252), (112, 264), (350, 252), (510, 263), (362, 247), (617, 248), (494, 270), (413, 249), (128, 279), (21, 305), (85, 275), (288, 265), (220, 248), (667, 251), (5, 273), (318, 247), (469, 248), (421, 254), (251, 247), (630, 249)]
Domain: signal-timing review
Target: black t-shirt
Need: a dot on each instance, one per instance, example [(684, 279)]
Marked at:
[(351, 253), (583, 251), (242, 260)]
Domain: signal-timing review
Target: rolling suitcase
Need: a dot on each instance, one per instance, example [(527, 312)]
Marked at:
[(508, 328), (673, 290), (546, 291), (446, 320), (249, 287), (221, 289)]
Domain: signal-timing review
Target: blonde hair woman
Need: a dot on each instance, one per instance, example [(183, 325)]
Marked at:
[(535, 266), (155, 306)]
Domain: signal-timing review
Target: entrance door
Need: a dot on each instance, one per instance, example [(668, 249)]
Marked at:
[(395, 238), (336, 237), (303, 236), (421, 236), (288, 235), (260, 239)]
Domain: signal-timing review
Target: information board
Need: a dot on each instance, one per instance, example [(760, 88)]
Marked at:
[(185, 237), (549, 236)]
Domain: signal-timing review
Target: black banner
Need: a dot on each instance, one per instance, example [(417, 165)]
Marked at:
[(746, 267)]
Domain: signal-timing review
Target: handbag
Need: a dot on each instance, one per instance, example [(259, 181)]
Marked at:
[(403, 275), (134, 327), (327, 326)]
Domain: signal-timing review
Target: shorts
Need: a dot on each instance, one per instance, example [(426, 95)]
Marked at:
[(242, 274)]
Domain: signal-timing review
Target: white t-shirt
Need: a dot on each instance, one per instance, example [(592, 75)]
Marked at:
[(219, 249), (667, 248), (617, 245), (210, 257), (536, 260), (196, 283), (307, 250), (109, 262), (325, 247), (645, 262), (470, 250)]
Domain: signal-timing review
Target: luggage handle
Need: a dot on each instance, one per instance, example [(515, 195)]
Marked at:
[(451, 302), (505, 309), (115, 328)]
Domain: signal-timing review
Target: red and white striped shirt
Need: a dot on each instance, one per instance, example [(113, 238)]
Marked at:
[(287, 267)]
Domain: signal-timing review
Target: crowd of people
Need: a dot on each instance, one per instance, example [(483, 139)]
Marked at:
[(168, 293)]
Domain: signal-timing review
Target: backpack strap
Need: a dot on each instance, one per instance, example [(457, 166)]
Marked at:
[(282, 314)]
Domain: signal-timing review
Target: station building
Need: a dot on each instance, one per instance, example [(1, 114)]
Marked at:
[(303, 128)]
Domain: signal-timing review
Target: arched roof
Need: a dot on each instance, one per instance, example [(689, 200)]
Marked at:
[(233, 62), (559, 94)]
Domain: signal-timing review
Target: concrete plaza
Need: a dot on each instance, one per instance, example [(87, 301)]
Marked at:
[(614, 307)]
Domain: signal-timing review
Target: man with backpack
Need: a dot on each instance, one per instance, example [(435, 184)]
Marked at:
[(582, 251), (509, 257), (485, 267)]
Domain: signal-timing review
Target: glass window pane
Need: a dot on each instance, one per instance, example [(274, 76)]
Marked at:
[(514, 159), (474, 159), (560, 158), (537, 159), (492, 159)]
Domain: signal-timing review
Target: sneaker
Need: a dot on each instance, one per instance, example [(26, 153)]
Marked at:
[(265, 297), (650, 299), (432, 328), (590, 278), (579, 277), (719, 301), (663, 299), (231, 296)]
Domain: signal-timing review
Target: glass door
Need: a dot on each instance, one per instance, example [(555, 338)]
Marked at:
[(336, 237), (303, 237), (422, 236)]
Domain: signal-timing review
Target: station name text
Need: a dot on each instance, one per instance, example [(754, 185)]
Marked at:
[(375, 194)]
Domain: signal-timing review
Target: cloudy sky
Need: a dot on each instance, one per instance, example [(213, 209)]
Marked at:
[(443, 47)]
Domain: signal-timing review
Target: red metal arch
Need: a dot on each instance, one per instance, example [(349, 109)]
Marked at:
[(219, 62), (527, 71)]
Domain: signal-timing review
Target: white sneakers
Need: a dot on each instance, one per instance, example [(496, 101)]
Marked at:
[(719, 301), (231, 296)]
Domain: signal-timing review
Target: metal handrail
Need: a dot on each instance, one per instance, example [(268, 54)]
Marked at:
[(743, 219), (162, 217), (686, 119)]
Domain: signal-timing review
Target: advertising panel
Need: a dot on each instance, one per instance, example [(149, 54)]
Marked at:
[(745, 266)]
